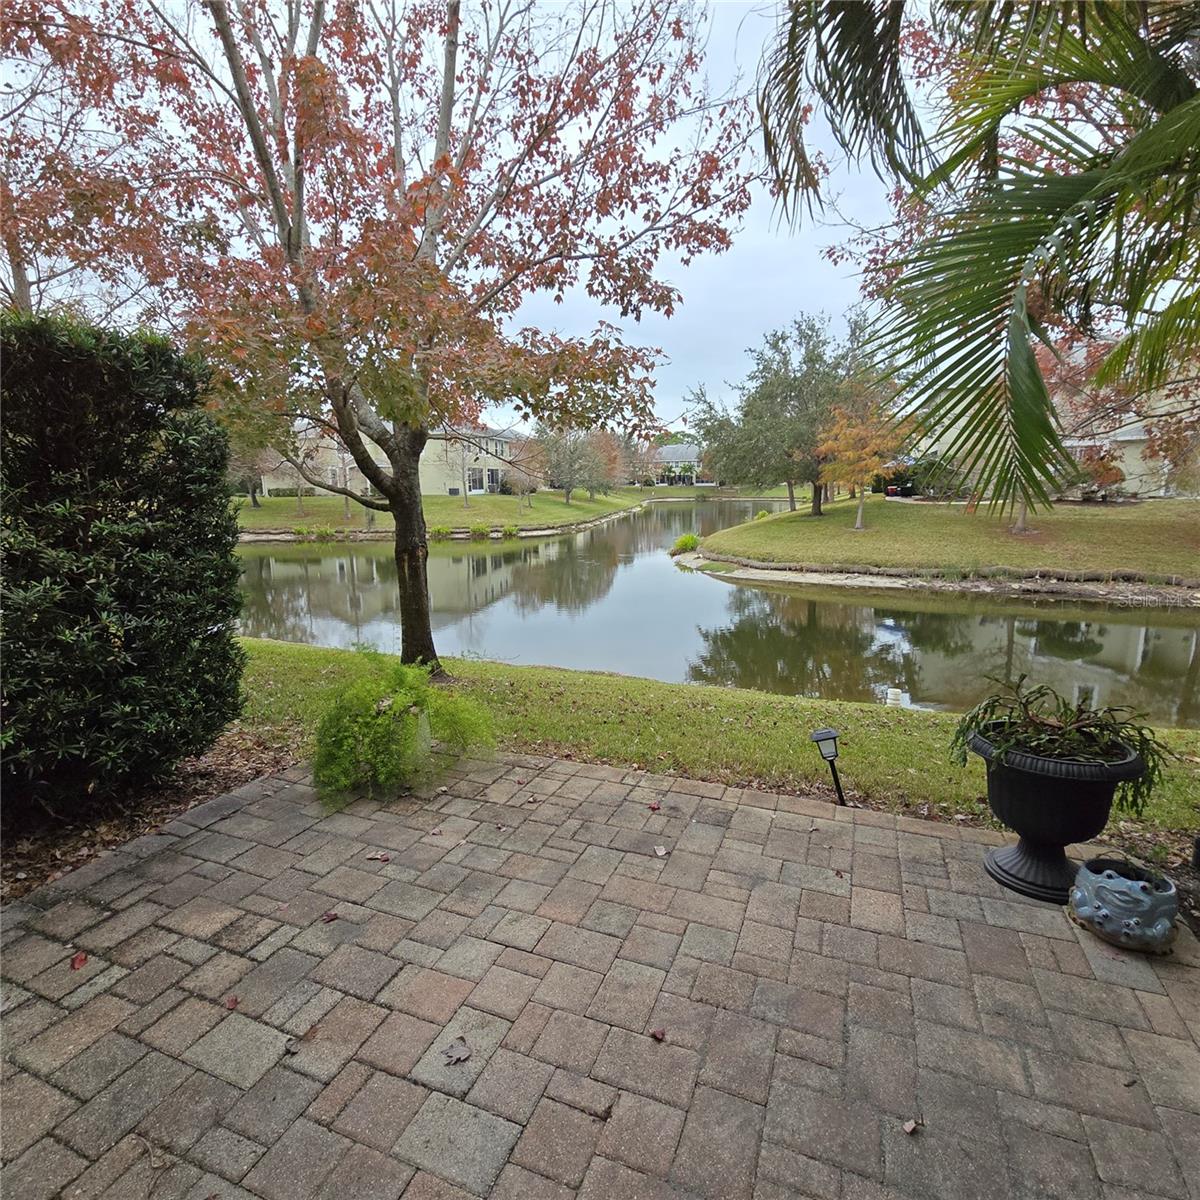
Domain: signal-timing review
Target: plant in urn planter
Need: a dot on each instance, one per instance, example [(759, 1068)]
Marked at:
[(1053, 771)]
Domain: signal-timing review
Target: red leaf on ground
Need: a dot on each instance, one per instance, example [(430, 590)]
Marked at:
[(327, 917), (231, 1002), (654, 806), (659, 1035), (380, 857), (78, 961)]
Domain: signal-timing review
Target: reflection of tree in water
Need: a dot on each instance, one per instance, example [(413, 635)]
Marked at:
[(1070, 640), (283, 592), (934, 632), (580, 574), (789, 644)]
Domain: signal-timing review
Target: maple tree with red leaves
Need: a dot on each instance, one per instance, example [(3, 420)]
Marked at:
[(345, 206)]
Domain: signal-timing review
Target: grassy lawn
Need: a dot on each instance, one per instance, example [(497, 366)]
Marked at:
[(1157, 538), (281, 512), (549, 509), (894, 758)]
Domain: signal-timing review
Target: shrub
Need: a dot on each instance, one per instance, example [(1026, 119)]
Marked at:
[(762, 512), (511, 531), (684, 543), (379, 731), (315, 533), (481, 531), (439, 533), (120, 583)]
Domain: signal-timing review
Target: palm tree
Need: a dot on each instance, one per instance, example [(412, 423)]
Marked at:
[(1085, 221)]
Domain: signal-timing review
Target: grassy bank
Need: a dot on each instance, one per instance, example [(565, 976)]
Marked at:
[(1156, 539), (497, 512), (549, 509), (895, 758)]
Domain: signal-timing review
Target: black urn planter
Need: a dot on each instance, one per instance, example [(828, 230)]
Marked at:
[(1049, 803)]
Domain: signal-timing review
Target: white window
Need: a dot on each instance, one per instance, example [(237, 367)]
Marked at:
[(475, 479)]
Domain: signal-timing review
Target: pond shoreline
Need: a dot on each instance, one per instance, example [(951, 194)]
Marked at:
[(463, 533), (1122, 589)]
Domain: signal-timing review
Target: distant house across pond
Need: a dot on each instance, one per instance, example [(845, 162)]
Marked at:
[(453, 462), (680, 464)]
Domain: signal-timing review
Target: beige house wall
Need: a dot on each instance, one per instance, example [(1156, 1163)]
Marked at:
[(476, 461)]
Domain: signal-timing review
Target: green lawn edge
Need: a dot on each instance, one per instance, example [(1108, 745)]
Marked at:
[(894, 758), (497, 512), (1155, 539)]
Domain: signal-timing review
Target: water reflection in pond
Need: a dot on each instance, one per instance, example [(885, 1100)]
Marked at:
[(610, 599)]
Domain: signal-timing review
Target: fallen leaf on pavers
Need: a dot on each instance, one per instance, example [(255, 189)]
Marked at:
[(435, 832), (659, 1035), (442, 790), (520, 782), (661, 851), (292, 1045), (78, 961), (157, 1160), (502, 828), (911, 1126), (231, 1002), (1129, 1083), (839, 874), (327, 917), (458, 1051), (534, 800), (380, 857), (654, 806)]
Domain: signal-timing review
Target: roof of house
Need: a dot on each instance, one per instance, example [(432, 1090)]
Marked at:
[(680, 452), (483, 431)]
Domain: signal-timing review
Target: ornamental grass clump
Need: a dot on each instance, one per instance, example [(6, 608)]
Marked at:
[(685, 543), (1039, 721), (388, 730)]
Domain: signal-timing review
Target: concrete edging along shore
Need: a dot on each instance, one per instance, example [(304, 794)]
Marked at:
[(1120, 588)]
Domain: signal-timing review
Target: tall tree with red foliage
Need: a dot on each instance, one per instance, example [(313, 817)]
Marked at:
[(348, 204)]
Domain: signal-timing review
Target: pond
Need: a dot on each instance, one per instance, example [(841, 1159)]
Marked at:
[(611, 599)]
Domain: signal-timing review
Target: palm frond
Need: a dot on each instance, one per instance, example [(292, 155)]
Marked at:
[(848, 54)]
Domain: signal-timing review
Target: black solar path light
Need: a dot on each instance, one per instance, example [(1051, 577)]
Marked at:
[(826, 740)]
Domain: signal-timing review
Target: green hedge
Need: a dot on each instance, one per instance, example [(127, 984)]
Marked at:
[(119, 576)]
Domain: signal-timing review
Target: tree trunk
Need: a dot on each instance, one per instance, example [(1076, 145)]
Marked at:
[(1022, 522), (300, 500), (852, 491), (567, 495), (254, 493), (791, 487), (412, 553), (816, 499), (858, 520)]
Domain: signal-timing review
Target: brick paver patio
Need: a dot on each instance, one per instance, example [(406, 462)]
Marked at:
[(758, 1012)]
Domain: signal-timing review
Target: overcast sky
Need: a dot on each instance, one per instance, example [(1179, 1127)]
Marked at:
[(770, 274)]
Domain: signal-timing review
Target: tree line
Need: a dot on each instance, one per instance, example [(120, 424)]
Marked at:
[(807, 412)]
